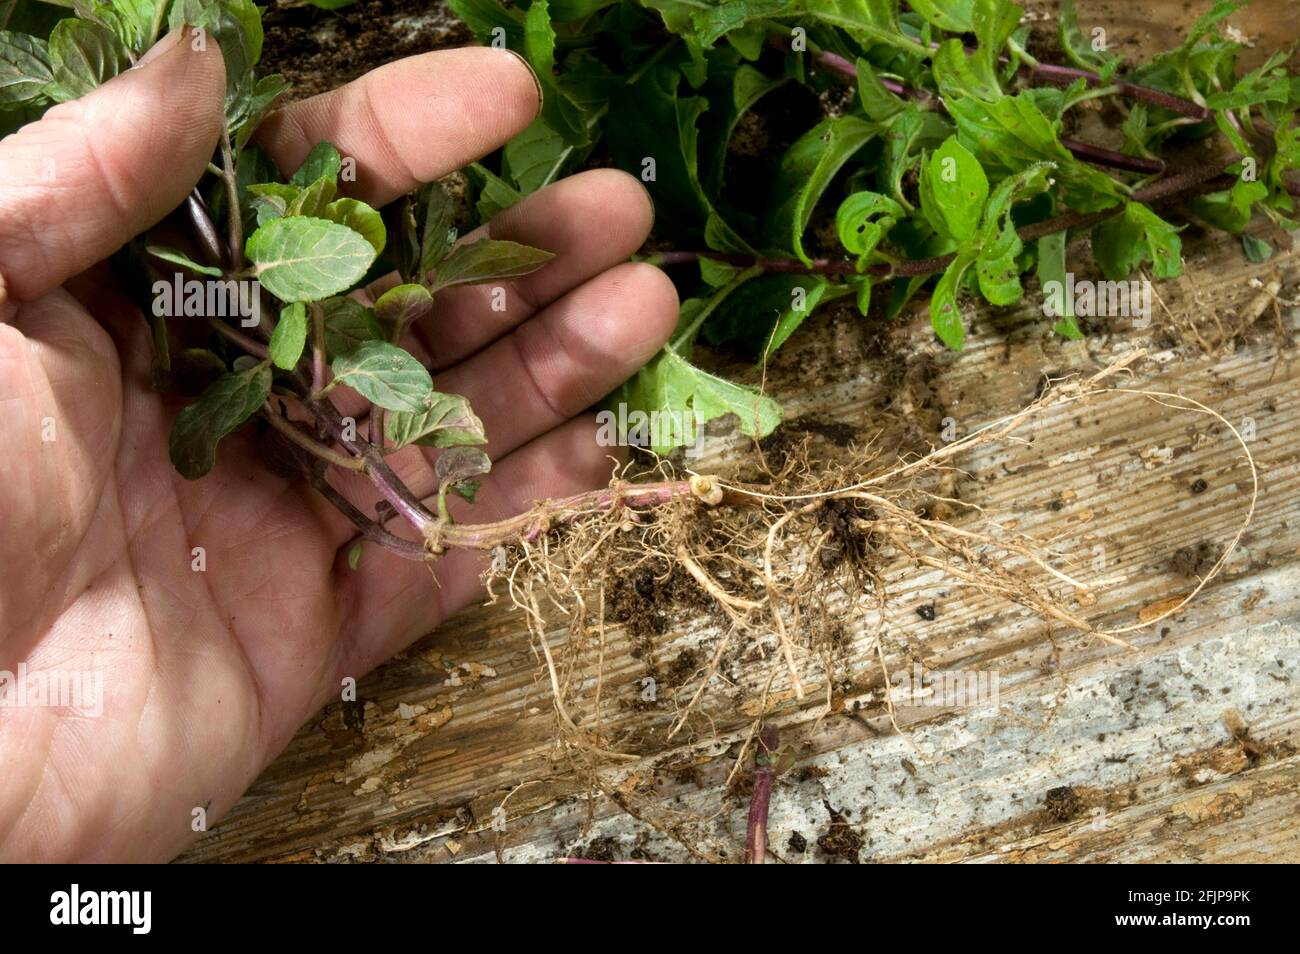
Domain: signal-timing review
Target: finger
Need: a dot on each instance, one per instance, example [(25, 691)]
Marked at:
[(391, 602), (412, 121), (568, 357), (591, 221), (96, 171)]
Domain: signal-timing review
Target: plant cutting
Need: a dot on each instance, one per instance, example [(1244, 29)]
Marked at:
[(985, 189)]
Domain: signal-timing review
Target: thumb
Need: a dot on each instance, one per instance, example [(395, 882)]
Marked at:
[(96, 171)]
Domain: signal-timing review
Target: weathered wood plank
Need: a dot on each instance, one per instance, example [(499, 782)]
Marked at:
[(461, 724)]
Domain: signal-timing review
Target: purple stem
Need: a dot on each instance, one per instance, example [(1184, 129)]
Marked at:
[(1080, 150), (769, 740)]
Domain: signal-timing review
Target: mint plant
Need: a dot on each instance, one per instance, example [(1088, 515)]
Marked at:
[(951, 170), (277, 259)]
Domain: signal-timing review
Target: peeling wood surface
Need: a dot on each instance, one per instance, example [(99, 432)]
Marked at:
[(1185, 750), (458, 731)]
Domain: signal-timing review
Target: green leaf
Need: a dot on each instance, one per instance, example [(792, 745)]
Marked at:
[(348, 324), (999, 245), (906, 136), (251, 109), (1052, 281), (765, 312), (669, 383), (180, 258), (323, 161), (222, 407), (878, 102), (25, 68), (486, 16), (495, 194), (289, 337), (312, 200), (446, 420), (354, 555), (561, 113), (805, 171), (1121, 245), (945, 315), (488, 260), (1078, 48), (83, 56), (385, 375), (951, 15), (307, 259), (360, 218), (863, 219), (1231, 209), (401, 305), (954, 189), (437, 234), (1257, 250)]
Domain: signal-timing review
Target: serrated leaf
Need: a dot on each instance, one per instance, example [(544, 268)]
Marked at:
[(289, 336), (385, 375), (1078, 48), (348, 323), (83, 55), (323, 161), (954, 189), (805, 171), (222, 407), (561, 112), (312, 200), (862, 220), (488, 260), (951, 15), (401, 305), (307, 259), (445, 421), (25, 67), (360, 218), (177, 257), (495, 194), (1121, 245), (670, 383)]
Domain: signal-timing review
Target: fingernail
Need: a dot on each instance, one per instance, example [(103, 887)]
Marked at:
[(531, 72), (161, 47)]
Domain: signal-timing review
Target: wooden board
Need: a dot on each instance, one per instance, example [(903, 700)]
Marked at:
[(1182, 751), (461, 725)]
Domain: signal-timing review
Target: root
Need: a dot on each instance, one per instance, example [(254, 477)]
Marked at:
[(770, 573)]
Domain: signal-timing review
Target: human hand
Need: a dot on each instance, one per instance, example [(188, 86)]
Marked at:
[(207, 674)]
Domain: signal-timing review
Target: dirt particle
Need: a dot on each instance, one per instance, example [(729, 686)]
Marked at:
[(1199, 486), (840, 839), (1062, 803), (797, 843), (926, 612)]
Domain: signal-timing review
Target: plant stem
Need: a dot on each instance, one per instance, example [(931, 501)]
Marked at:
[(380, 474), (1065, 75), (233, 214), (769, 740), (238, 337), (1080, 150), (310, 444), (1188, 181), (204, 228), (317, 347), (406, 549)]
